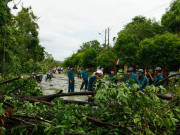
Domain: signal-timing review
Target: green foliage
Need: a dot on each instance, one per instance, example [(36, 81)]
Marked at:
[(22, 48), (30, 89), (142, 113), (171, 19), (106, 59), (142, 28), (161, 50), (126, 48), (94, 44), (89, 58)]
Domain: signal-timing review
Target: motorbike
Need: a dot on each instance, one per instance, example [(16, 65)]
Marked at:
[(49, 76), (54, 71), (59, 71), (38, 78)]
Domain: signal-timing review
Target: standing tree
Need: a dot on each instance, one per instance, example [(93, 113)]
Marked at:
[(171, 19), (106, 59), (94, 44), (162, 50), (126, 48), (128, 40), (89, 58)]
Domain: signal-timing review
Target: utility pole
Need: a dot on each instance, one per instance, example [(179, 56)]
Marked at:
[(105, 38), (108, 35)]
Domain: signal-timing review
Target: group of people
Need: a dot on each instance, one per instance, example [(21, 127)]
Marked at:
[(131, 78), (88, 83), (144, 80)]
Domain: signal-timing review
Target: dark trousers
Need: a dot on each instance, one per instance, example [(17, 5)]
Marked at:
[(71, 87), (84, 83), (90, 99)]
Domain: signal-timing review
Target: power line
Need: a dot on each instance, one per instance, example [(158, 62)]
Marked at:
[(146, 13), (111, 27)]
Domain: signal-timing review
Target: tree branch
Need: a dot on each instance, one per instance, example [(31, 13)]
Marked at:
[(79, 102), (10, 80), (166, 79), (105, 124)]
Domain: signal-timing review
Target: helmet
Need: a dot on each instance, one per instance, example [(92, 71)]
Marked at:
[(130, 69), (140, 71), (158, 69), (99, 72)]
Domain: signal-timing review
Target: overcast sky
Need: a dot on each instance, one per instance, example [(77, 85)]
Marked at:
[(66, 24)]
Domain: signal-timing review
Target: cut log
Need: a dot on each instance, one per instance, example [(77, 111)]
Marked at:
[(49, 98), (165, 97), (78, 102)]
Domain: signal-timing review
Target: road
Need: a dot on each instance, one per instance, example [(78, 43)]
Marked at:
[(60, 82)]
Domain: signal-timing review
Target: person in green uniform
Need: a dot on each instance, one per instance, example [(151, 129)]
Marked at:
[(158, 77), (84, 79), (91, 84), (130, 78), (71, 79), (132, 69), (142, 80), (113, 78)]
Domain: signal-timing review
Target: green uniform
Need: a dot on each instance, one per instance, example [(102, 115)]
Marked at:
[(130, 79), (71, 77), (91, 84), (142, 82), (113, 78), (85, 78), (158, 79)]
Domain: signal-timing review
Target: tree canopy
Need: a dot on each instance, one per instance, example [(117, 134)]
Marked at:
[(171, 19), (161, 50)]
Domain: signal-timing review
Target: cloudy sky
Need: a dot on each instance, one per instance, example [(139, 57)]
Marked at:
[(66, 24)]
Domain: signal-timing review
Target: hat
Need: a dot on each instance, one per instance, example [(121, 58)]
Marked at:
[(99, 72), (130, 69), (140, 71)]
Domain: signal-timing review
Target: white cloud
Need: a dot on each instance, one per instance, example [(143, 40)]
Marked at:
[(66, 24)]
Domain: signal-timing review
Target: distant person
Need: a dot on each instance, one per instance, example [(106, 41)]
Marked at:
[(142, 80), (150, 76), (113, 77), (91, 84), (54, 69), (158, 77), (133, 74), (130, 77), (84, 79), (71, 79)]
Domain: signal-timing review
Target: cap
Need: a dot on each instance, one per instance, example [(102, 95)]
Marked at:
[(140, 71)]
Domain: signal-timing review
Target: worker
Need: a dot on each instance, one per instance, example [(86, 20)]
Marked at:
[(158, 77), (130, 77), (142, 80), (113, 78), (91, 84), (133, 74), (84, 79), (71, 79)]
